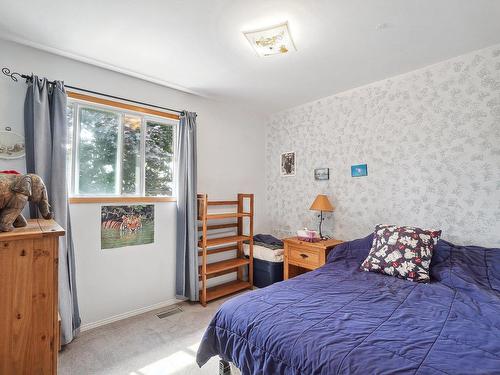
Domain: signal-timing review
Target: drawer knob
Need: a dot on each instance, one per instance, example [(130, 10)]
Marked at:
[(304, 256)]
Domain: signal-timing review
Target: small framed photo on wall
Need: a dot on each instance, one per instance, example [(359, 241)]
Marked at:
[(287, 164), (322, 174), (359, 170)]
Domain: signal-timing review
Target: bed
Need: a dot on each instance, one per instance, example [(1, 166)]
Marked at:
[(339, 320)]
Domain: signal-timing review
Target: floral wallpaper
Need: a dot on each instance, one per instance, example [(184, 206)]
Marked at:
[(431, 139)]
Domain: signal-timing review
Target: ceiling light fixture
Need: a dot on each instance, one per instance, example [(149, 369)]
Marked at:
[(273, 40)]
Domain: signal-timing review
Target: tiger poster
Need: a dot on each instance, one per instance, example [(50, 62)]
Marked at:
[(127, 225)]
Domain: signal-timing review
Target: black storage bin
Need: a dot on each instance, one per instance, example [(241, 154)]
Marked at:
[(266, 273)]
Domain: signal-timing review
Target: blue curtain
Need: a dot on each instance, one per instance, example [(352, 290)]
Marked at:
[(186, 247), (45, 128)]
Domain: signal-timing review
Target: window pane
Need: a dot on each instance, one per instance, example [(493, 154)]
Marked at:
[(70, 113), (159, 158), (98, 152), (131, 158)]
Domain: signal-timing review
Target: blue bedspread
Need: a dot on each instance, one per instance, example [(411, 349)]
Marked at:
[(338, 320)]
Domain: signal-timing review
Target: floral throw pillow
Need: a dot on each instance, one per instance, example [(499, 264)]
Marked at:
[(404, 252)]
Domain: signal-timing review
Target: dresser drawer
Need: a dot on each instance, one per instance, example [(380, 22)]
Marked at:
[(304, 256)]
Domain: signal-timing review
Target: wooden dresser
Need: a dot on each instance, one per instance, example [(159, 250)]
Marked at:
[(302, 256), (29, 328)]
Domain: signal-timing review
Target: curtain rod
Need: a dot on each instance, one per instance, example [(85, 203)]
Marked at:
[(12, 75)]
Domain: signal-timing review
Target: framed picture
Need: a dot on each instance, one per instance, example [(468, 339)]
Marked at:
[(127, 225), (359, 170), (322, 174), (287, 164), (11, 144)]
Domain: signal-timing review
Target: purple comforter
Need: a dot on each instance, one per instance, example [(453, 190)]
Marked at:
[(338, 320)]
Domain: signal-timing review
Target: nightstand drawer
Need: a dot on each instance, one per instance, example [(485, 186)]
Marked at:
[(304, 256), (301, 256)]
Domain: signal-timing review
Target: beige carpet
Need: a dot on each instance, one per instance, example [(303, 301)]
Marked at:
[(143, 345)]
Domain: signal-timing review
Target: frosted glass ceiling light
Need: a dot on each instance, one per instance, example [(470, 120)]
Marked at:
[(272, 40)]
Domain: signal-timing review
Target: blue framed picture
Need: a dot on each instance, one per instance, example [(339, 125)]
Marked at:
[(359, 170)]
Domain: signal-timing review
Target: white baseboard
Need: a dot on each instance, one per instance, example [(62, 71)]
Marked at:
[(115, 318)]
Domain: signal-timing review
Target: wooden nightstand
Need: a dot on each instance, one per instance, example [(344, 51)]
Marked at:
[(302, 256)]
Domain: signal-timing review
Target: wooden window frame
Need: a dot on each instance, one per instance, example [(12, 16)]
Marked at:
[(138, 110), (121, 105), (124, 199)]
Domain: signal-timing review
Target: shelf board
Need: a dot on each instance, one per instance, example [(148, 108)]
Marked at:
[(225, 265), (219, 226), (227, 215), (223, 240), (221, 273), (222, 203), (226, 289), (218, 250)]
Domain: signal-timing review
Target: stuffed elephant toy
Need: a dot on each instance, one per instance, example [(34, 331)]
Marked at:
[(15, 191)]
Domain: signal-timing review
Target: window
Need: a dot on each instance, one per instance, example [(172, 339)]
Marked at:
[(118, 153)]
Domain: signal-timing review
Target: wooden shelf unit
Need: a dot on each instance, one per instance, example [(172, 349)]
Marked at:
[(212, 245)]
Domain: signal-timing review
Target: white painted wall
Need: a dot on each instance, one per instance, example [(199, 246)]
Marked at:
[(230, 160)]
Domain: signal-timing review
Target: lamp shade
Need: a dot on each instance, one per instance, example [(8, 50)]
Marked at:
[(322, 203)]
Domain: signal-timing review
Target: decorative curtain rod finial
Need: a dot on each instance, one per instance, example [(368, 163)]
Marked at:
[(13, 75)]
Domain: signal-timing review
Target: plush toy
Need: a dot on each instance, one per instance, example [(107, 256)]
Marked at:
[(15, 191)]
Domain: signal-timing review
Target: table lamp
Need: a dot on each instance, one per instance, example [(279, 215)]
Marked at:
[(321, 203)]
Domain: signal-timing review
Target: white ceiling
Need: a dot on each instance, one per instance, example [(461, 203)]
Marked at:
[(198, 45)]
